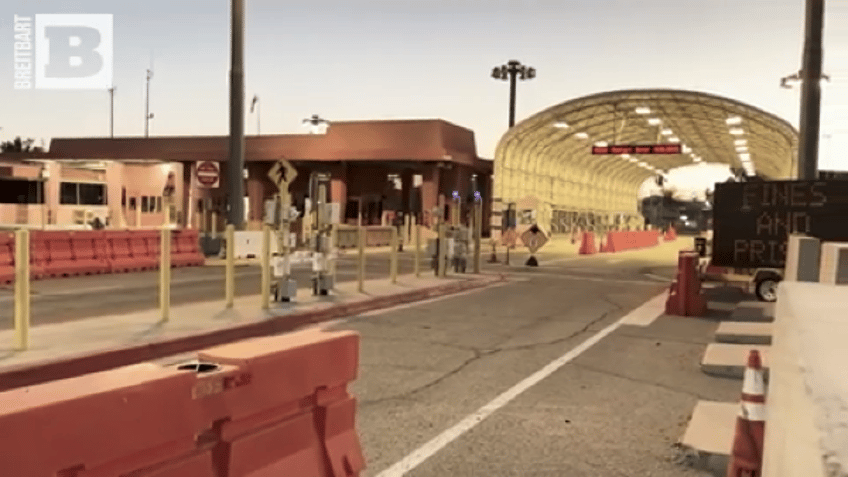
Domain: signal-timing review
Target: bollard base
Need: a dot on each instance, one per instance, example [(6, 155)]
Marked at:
[(532, 262)]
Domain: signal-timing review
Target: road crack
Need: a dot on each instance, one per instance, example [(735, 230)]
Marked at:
[(642, 381)]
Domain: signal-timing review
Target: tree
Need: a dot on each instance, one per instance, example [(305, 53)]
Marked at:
[(18, 145)]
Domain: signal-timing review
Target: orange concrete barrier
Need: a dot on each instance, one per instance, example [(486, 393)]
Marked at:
[(634, 239), (7, 258), (269, 406)]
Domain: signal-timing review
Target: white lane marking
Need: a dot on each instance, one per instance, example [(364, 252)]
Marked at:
[(341, 321), (648, 312), (110, 288), (658, 277), (414, 459), (565, 276)]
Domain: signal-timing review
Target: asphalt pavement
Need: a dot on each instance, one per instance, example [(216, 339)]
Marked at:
[(437, 385)]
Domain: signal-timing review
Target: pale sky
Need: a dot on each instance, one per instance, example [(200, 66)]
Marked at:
[(407, 59)]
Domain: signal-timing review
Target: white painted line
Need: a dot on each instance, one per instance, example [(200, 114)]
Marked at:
[(429, 449), (648, 312), (564, 276), (657, 277)]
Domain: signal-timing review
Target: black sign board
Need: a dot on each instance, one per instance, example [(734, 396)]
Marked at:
[(825, 175), (643, 149), (701, 246), (752, 220)]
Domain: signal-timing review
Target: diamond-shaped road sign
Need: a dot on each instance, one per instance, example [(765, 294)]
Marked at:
[(282, 173), (534, 239)]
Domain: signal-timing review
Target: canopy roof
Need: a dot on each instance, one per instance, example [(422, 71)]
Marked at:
[(549, 155)]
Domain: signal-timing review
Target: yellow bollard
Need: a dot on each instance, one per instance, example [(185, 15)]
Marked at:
[(214, 224), (138, 213), (443, 250), (417, 262), (266, 267), (334, 250), (393, 255), (22, 295), (165, 273), (230, 273), (478, 235), (361, 262)]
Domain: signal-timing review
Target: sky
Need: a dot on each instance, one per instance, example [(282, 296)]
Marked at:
[(409, 59)]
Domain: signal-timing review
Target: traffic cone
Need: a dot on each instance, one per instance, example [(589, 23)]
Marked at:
[(746, 458)]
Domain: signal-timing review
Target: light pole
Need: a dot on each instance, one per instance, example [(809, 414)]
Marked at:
[(235, 164), (112, 112), (147, 114), (315, 121), (255, 103), (510, 71), (811, 72)]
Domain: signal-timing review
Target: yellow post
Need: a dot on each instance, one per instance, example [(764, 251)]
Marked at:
[(138, 213), (334, 244), (266, 267), (22, 289), (361, 265), (417, 262), (165, 273), (230, 274), (443, 250), (214, 224), (478, 235), (393, 255)]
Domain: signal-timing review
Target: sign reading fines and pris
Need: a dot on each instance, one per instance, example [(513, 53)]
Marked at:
[(753, 220)]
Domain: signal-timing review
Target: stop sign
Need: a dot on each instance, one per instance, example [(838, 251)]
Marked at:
[(208, 174)]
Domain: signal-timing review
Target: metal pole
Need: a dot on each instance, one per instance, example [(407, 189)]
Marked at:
[(417, 262), (512, 80), (266, 267), (393, 256), (235, 164), (230, 267), (165, 273), (22, 294), (258, 123), (811, 74), (443, 249), (361, 262), (112, 112), (147, 104)]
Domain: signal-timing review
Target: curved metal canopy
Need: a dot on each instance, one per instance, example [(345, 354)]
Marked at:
[(549, 155)]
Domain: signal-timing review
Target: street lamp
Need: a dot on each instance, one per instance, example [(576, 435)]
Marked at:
[(510, 71), (315, 121), (255, 103)]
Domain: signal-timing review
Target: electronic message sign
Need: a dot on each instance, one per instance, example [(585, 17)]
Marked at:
[(644, 149), (752, 220)]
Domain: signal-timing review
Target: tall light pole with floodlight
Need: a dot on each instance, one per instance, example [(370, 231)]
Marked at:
[(255, 103), (512, 71)]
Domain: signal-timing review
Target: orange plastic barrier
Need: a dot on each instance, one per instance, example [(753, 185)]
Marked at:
[(587, 246), (88, 260), (270, 406), (39, 254), (185, 249), (684, 297), (7, 258), (670, 234), (628, 240)]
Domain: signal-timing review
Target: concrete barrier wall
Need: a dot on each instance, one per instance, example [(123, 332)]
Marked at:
[(807, 430)]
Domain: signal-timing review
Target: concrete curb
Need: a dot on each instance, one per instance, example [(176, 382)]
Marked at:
[(51, 370)]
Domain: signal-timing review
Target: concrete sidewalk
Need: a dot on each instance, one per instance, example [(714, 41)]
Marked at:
[(105, 342)]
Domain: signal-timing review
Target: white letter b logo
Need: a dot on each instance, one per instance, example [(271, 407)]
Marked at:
[(73, 51)]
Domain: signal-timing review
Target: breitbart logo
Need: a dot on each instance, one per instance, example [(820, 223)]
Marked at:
[(63, 51)]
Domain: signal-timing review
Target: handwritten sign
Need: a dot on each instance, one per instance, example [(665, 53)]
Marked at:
[(753, 220)]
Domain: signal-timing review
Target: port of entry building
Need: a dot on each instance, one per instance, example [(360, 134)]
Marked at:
[(378, 169)]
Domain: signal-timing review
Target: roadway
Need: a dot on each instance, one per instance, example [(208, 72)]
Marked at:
[(615, 409)]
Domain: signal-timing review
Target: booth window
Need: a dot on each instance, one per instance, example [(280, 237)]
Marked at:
[(82, 193), (17, 191)]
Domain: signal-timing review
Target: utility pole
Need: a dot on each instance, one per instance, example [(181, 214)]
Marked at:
[(255, 103), (147, 114), (235, 164), (811, 75), (112, 112)]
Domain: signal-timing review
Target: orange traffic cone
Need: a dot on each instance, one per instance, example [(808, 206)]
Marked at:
[(746, 458)]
